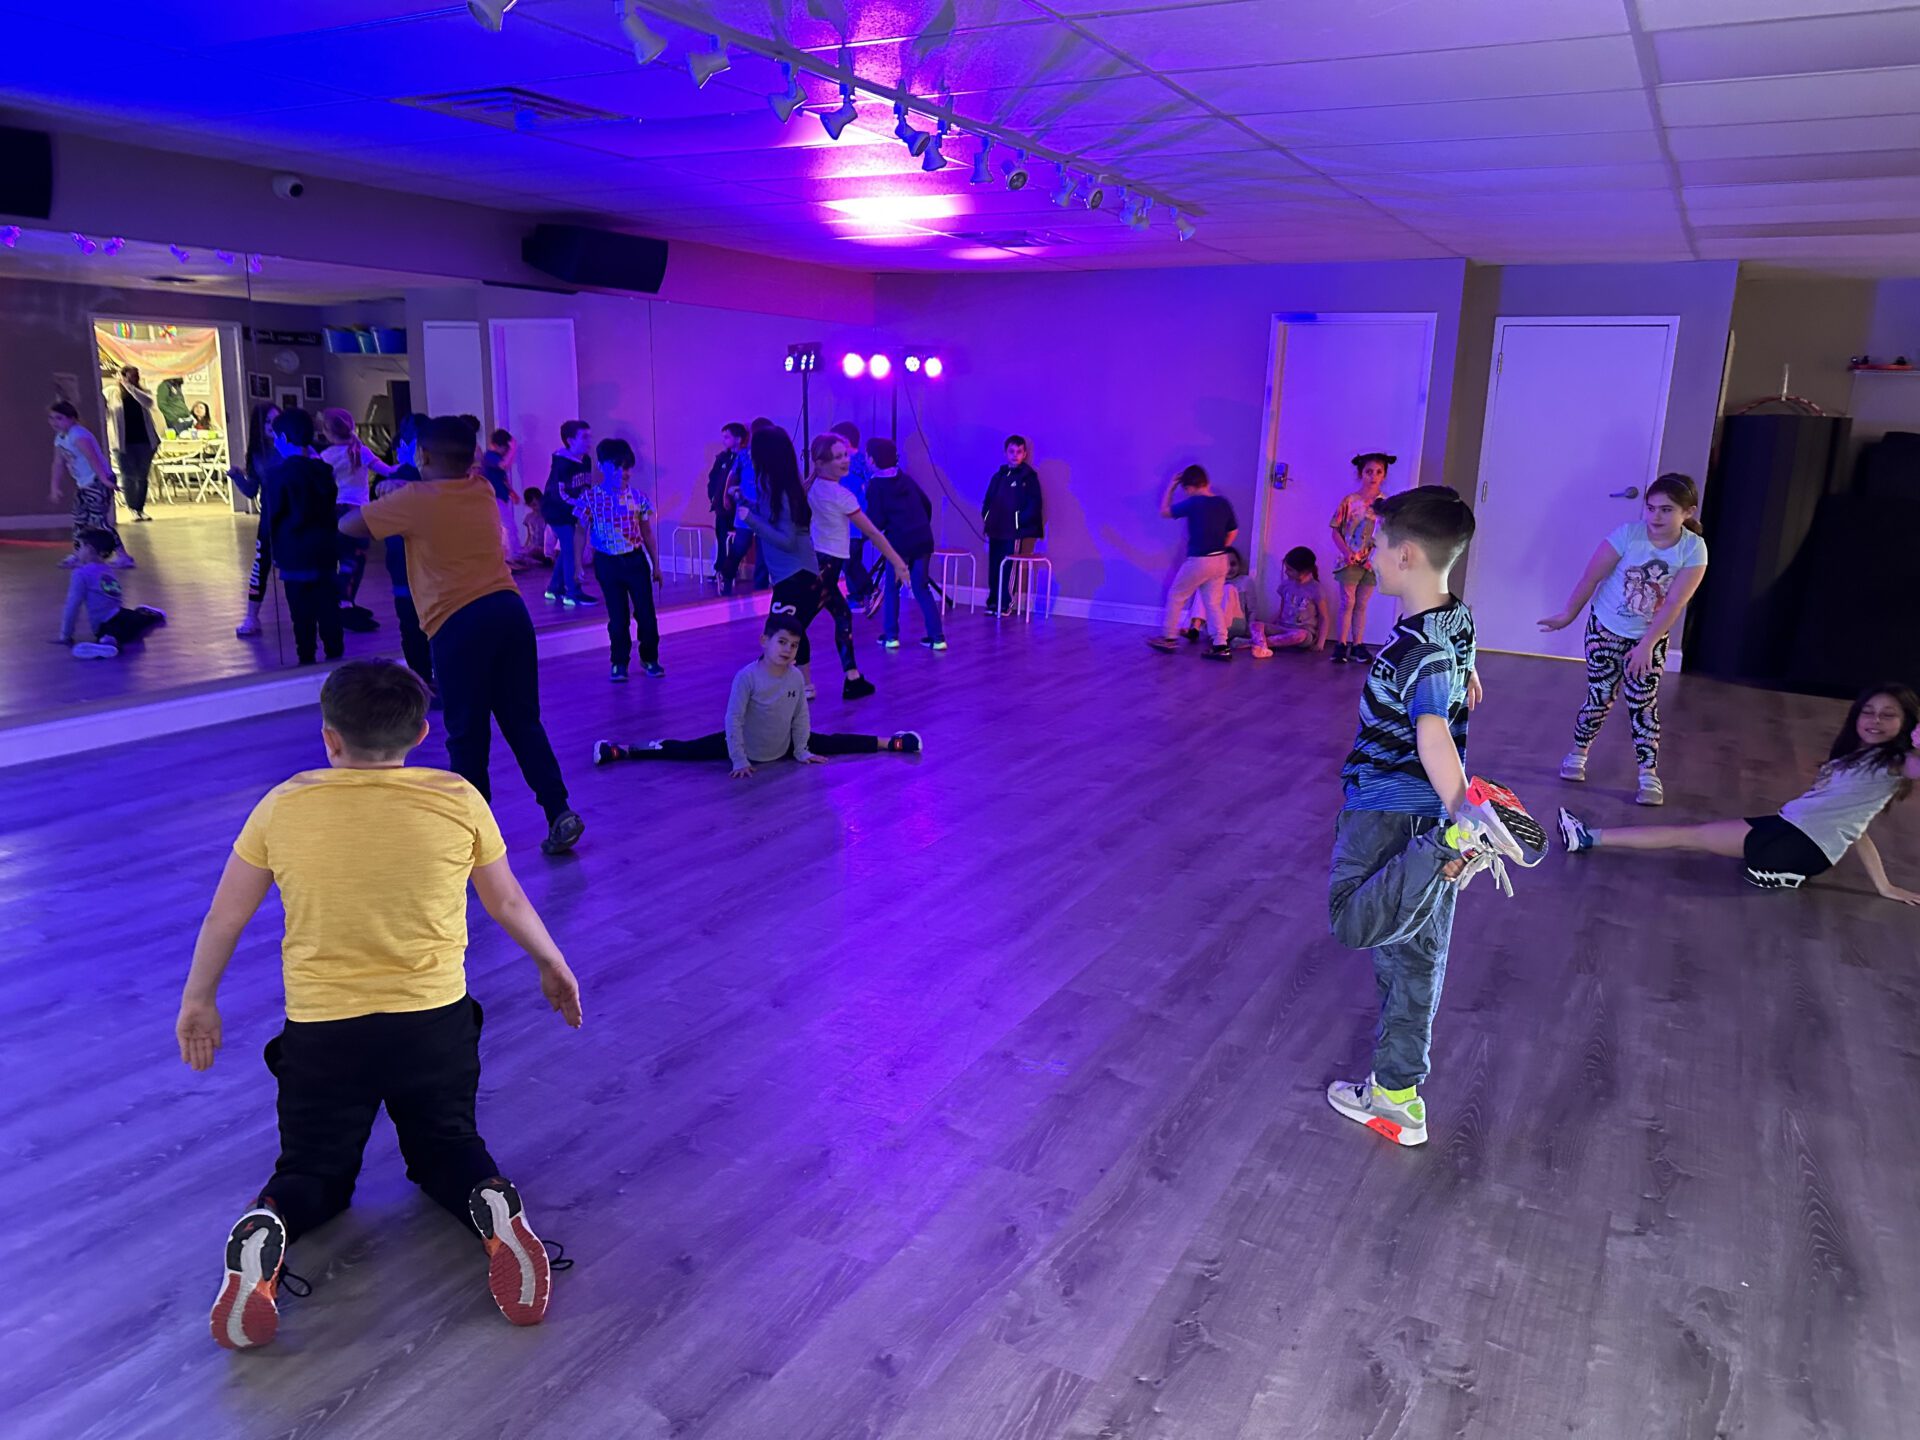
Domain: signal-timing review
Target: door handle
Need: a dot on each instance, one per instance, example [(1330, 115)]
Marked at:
[(1632, 492)]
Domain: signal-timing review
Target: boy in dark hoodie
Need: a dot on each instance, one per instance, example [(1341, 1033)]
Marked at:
[(299, 497), (568, 476), (1013, 511), (897, 504)]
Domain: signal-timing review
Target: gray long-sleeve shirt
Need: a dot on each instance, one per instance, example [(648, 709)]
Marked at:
[(94, 587), (788, 546), (767, 715)]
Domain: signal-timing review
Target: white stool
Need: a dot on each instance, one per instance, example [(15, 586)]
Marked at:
[(1019, 575), (700, 552), (950, 563)]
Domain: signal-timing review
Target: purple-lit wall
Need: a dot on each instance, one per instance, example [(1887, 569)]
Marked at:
[(1121, 377)]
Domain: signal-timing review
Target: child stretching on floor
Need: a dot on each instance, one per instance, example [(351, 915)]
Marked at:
[(377, 1004), (1413, 829), (1873, 762), (1640, 579), (94, 587), (767, 718), (1211, 526)]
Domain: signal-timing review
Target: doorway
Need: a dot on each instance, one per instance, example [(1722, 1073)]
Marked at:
[(189, 374), (1337, 385), (536, 381), (1576, 409)]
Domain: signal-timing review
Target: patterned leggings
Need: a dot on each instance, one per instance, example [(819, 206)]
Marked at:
[(1606, 670)]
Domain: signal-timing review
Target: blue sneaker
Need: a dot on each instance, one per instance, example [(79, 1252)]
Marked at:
[(1574, 832)]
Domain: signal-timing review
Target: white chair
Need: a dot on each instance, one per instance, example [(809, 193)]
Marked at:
[(700, 551), (950, 564), (1020, 576)]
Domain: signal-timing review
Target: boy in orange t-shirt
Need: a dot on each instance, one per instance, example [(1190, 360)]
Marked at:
[(377, 1004)]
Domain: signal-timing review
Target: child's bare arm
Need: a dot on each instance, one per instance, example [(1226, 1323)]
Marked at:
[(1605, 557), (241, 889), (1877, 872), (500, 892)]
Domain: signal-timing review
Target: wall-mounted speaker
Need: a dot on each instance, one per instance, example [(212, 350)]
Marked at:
[(600, 259), (26, 173)]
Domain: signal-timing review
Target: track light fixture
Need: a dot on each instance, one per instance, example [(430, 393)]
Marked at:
[(836, 121), (180, 253), (490, 14), (1062, 186), (648, 43), (1017, 172), (1183, 226), (114, 246), (703, 65), (10, 236), (982, 163), (253, 264), (934, 160), (790, 99), (83, 244), (1091, 193), (916, 141), (1142, 213)]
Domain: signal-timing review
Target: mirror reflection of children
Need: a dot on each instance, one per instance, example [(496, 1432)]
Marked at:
[(1873, 762), (94, 588), (1353, 541), (767, 718), (1300, 620), (1640, 579)]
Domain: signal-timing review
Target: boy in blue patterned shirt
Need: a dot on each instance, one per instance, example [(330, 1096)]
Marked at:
[(1413, 829), (626, 557)]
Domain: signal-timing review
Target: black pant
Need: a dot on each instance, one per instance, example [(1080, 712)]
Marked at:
[(262, 562), (488, 666), (129, 624), (135, 466), (997, 552), (798, 597), (334, 1075), (714, 747), (626, 584), (353, 560), (835, 604), (313, 605), (414, 644), (859, 576), (733, 549)]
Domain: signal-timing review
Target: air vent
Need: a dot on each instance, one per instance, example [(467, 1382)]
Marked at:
[(1013, 239), (508, 108)]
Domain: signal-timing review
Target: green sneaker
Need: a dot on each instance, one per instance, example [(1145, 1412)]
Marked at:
[(1402, 1121)]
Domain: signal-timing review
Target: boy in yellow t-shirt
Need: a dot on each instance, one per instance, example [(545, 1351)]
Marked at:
[(377, 1004)]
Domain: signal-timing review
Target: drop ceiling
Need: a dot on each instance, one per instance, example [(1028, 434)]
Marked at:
[(1504, 131)]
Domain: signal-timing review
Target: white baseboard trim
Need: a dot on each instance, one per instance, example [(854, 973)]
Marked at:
[(61, 521), (1074, 607), (172, 715)]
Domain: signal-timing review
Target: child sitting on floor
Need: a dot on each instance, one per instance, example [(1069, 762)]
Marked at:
[(94, 586), (766, 719), (1300, 618), (1236, 605), (534, 526)]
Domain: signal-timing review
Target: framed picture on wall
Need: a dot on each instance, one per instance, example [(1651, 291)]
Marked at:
[(316, 388), (259, 387), (289, 400)]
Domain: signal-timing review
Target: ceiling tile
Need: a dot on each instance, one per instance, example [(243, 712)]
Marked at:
[(1252, 32), (1900, 195), (1646, 176), (1553, 67), (1789, 47), (1760, 169), (1560, 152), (1893, 91), (1035, 53), (1461, 120), (1677, 14), (1802, 137)]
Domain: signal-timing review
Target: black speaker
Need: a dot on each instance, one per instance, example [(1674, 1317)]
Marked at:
[(26, 173), (1859, 619), (1774, 471), (601, 259)]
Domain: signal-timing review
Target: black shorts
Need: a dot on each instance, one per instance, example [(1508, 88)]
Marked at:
[(1779, 855)]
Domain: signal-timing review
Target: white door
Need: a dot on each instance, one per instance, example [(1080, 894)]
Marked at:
[(450, 358), (1337, 386), (536, 386), (1575, 411)]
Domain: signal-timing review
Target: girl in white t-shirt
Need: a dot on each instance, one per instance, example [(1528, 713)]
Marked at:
[(835, 515), (354, 467), (1873, 762), (1639, 580)]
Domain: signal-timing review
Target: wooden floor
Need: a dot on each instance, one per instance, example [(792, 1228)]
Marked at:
[(194, 560), (980, 1095)]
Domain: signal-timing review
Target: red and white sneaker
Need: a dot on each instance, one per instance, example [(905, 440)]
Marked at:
[(519, 1275), (1502, 822), (245, 1314)]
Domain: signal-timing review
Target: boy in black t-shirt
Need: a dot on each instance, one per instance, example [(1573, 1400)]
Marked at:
[(567, 478), (1211, 526)]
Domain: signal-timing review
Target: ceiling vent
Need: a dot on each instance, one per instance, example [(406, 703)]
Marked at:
[(508, 108), (1012, 239)]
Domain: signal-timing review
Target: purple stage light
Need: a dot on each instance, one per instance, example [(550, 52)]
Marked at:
[(10, 236), (934, 367), (913, 364), (852, 366), (879, 367)]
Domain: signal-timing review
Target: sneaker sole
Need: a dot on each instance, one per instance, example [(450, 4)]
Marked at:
[(1645, 799), (244, 1313), (1527, 832), (519, 1277), (1407, 1135)]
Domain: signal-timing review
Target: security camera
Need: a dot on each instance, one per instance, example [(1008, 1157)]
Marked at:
[(289, 187)]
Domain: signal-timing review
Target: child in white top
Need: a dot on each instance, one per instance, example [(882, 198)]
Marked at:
[(1873, 762), (1640, 579)]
